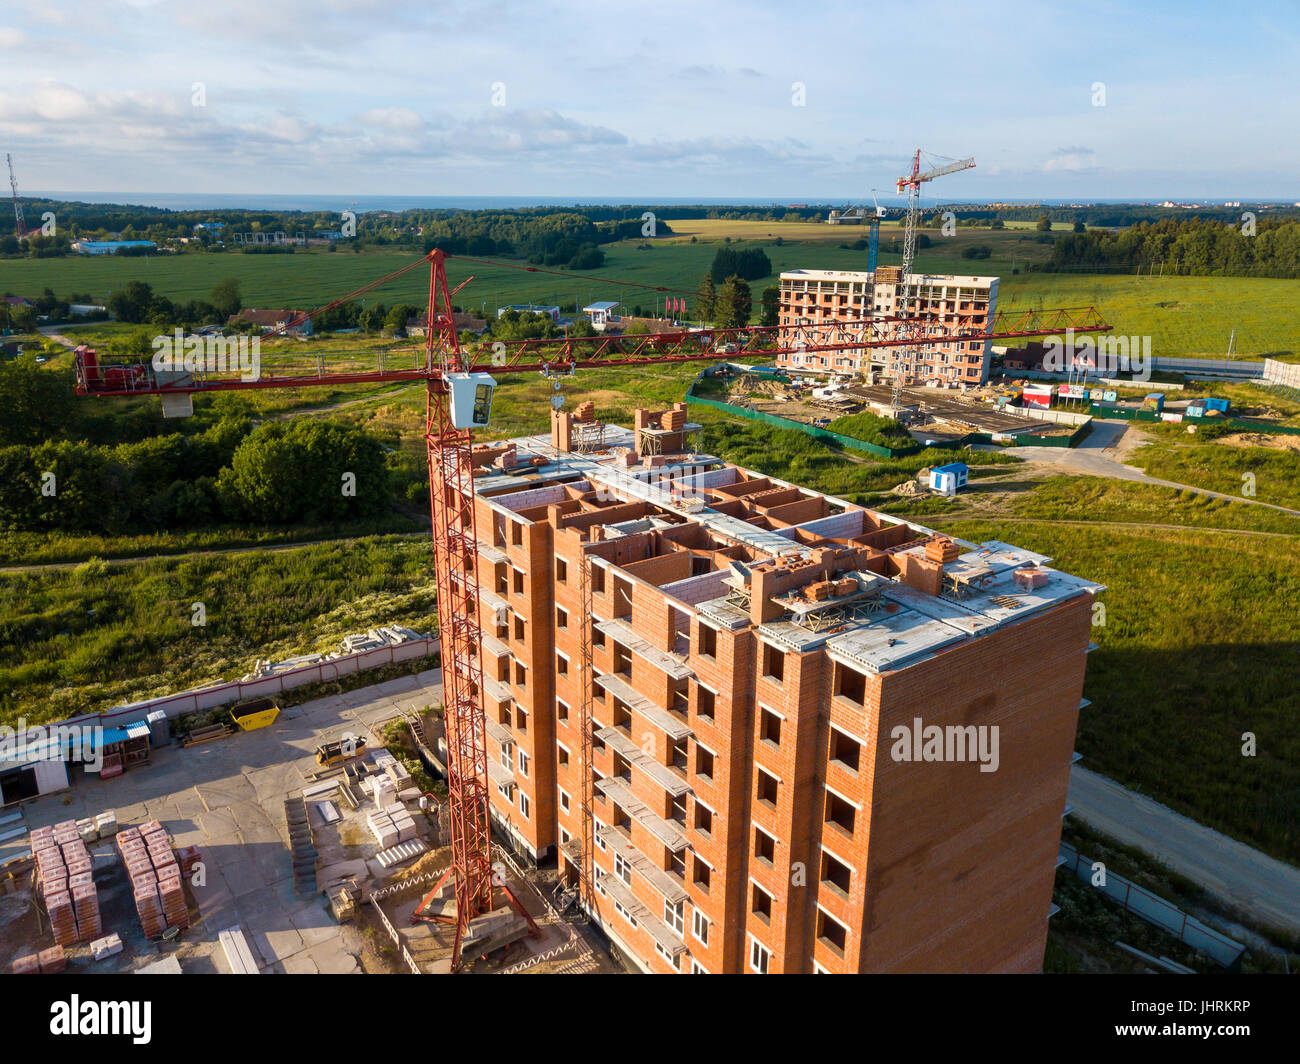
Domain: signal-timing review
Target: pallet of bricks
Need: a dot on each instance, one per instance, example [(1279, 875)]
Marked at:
[(47, 962), (155, 875), (66, 881)]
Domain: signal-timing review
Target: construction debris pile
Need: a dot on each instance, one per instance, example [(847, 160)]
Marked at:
[(155, 874), (66, 880), (386, 635)]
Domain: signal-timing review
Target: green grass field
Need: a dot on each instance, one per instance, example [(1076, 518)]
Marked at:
[(1267, 474), (89, 638), (1198, 648), (1184, 316)]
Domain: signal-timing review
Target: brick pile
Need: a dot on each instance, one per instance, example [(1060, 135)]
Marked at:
[(66, 881), (47, 962), (155, 873), (942, 549)]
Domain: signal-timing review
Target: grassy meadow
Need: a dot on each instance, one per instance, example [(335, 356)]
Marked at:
[(1198, 647), (99, 635), (1184, 316)]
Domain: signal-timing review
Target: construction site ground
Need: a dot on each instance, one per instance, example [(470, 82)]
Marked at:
[(943, 415), (227, 798)]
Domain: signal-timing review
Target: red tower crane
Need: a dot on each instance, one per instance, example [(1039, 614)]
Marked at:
[(459, 399)]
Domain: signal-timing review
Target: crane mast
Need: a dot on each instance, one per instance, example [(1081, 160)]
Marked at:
[(911, 184), (20, 227)]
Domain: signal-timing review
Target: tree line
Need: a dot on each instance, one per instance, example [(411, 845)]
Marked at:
[(229, 471), (1193, 246)]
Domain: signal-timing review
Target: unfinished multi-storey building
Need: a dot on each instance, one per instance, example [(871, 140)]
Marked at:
[(761, 729), (812, 297)]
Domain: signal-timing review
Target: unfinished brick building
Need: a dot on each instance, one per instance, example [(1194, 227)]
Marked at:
[(693, 678), (818, 297)]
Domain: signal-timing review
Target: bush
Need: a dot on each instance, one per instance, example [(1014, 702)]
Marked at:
[(870, 428)]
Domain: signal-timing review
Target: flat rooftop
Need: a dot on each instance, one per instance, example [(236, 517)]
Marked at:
[(862, 275), (724, 523)]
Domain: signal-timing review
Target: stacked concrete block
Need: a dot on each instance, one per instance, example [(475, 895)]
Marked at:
[(383, 829), (385, 791), (188, 858), (149, 908), (87, 830), (106, 824), (402, 821), (108, 946), (85, 903), (52, 960), (172, 895), (397, 772)]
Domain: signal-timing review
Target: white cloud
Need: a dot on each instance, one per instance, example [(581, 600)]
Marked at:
[(1071, 160)]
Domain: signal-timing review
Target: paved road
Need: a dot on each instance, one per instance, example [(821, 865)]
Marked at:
[(1094, 456), (51, 332), (1253, 882)]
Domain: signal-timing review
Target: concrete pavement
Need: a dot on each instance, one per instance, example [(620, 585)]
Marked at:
[(1259, 885), (1091, 457)]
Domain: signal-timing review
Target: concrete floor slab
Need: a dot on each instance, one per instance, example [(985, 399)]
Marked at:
[(323, 709), (243, 874), (315, 925), (225, 791), (275, 781), (213, 893), (332, 959), (300, 964), (219, 828), (276, 944)]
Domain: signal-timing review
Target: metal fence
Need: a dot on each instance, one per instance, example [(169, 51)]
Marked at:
[(1155, 910), (397, 939), (817, 433), (1286, 374)]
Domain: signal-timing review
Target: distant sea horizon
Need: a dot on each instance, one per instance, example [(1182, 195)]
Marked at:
[(200, 201)]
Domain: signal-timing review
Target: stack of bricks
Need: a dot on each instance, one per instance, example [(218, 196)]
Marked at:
[(942, 549), (155, 877), (48, 962), (189, 859), (673, 420), (65, 878)]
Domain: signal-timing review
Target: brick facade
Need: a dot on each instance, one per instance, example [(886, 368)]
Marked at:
[(814, 297), (747, 812)]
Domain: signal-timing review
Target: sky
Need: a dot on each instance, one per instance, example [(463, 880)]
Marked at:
[(809, 101)]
